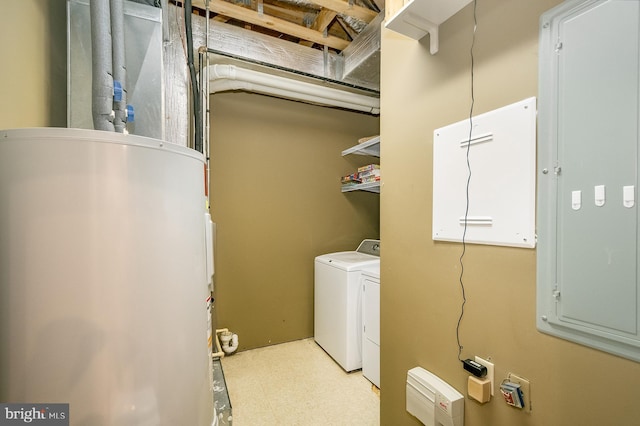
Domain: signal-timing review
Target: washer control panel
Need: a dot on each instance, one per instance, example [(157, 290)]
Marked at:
[(369, 247)]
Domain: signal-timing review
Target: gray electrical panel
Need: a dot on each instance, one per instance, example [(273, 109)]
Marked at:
[(588, 143)]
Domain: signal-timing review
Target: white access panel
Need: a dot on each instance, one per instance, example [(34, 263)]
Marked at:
[(501, 151)]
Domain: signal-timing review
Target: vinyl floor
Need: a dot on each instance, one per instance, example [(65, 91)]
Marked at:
[(297, 383)]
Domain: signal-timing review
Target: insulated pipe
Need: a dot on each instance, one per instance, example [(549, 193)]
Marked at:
[(204, 89), (231, 77), (188, 10), (164, 4), (203, 84), (102, 80), (119, 68)]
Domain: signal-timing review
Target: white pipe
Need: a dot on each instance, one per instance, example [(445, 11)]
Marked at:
[(229, 342), (234, 343), (231, 77), (219, 352), (119, 67)]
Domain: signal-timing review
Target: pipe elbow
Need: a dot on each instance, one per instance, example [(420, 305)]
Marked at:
[(229, 342), (218, 71)]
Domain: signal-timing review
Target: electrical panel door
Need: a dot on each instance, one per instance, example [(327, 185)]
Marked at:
[(588, 174)]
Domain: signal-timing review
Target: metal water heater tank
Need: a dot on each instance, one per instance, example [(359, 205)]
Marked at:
[(103, 286)]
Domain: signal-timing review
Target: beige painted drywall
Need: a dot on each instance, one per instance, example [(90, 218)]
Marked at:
[(33, 71), (276, 199), (421, 297)]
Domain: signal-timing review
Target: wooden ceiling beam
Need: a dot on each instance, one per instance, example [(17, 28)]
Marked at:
[(343, 6), (290, 15), (350, 32), (324, 18), (253, 17)]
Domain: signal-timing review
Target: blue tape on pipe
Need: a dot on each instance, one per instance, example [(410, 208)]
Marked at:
[(117, 91)]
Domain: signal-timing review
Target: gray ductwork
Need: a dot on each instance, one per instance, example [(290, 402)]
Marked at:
[(102, 78), (119, 68)]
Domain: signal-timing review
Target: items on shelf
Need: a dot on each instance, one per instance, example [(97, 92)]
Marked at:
[(366, 146), (367, 178), (369, 138), (365, 174)]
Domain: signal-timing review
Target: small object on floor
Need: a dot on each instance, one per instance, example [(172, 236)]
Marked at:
[(375, 389)]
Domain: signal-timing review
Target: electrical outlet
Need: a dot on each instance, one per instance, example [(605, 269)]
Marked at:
[(489, 366), (525, 388)]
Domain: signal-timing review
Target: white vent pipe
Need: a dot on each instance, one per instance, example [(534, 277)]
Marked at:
[(231, 77)]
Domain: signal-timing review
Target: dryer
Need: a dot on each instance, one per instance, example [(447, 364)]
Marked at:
[(338, 301), (370, 281)]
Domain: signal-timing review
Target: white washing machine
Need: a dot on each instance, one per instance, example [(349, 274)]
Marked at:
[(338, 302)]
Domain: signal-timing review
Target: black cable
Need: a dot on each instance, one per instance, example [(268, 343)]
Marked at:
[(197, 107), (466, 212)]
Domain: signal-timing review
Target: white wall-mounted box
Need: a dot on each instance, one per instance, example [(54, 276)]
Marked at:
[(501, 151), (432, 400)]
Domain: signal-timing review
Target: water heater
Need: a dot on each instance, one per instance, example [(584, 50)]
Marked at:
[(103, 287)]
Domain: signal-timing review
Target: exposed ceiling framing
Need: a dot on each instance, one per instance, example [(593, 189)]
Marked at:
[(314, 23)]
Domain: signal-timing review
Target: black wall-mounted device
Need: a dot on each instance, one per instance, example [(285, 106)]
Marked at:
[(474, 368)]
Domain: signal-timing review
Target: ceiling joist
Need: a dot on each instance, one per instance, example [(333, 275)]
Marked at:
[(250, 16), (323, 20), (313, 23), (342, 6)]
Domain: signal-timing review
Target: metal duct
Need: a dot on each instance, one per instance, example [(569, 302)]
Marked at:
[(362, 56), (102, 80), (119, 67), (154, 3), (241, 45)]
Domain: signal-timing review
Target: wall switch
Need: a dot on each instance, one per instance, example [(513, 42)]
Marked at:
[(489, 366), (526, 390)]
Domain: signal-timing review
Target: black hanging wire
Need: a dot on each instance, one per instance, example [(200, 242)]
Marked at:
[(197, 107), (466, 211)]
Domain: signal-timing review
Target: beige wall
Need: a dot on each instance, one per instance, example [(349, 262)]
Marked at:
[(275, 183), (33, 70), (421, 296)]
